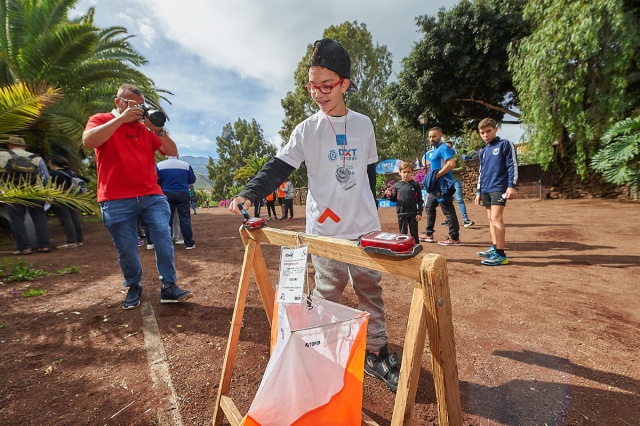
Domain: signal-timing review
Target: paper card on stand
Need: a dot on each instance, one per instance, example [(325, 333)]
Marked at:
[(293, 274)]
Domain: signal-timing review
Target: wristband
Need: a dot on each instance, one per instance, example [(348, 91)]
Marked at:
[(161, 132)]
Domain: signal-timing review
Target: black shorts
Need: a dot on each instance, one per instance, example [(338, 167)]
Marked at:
[(493, 199), (281, 201)]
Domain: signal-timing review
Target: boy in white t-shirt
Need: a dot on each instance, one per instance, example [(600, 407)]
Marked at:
[(338, 147)]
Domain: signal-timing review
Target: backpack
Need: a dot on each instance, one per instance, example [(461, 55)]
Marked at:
[(78, 186), (21, 169)]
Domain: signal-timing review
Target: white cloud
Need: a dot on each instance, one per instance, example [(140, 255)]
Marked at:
[(230, 60)]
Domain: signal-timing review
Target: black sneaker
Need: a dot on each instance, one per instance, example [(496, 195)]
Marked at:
[(445, 223), (384, 366), (133, 297), (174, 294)]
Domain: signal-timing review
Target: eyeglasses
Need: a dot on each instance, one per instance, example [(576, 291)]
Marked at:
[(128, 100), (313, 89)]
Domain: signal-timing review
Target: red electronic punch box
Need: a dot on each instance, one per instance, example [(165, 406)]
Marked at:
[(389, 244), (254, 223)]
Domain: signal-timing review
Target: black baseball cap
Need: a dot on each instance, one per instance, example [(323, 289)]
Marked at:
[(331, 55)]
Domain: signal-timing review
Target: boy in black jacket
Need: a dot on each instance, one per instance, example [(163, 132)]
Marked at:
[(408, 195)]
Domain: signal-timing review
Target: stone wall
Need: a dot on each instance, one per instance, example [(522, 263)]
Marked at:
[(533, 183), (536, 183)]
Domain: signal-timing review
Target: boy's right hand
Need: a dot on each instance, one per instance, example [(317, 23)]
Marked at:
[(233, 207), (477, 200)]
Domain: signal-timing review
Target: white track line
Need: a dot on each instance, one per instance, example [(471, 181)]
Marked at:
[(159, 368)]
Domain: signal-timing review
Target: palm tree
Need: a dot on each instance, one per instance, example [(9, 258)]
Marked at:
[(20, 105), (253, 166), (40, 43)]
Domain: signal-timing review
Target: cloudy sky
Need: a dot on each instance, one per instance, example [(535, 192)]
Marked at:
[(228, 60)]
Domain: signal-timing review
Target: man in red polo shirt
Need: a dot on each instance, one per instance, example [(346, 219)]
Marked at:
[(125, 143)]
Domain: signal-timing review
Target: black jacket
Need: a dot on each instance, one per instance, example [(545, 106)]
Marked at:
[(408, 195)]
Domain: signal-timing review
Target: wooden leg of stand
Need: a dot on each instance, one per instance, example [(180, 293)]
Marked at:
[(443, 350), (267, 293), (234, 333), (411, 360)]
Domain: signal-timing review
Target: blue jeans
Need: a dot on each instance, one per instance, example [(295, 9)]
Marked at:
[(459, 197), (120, 217)]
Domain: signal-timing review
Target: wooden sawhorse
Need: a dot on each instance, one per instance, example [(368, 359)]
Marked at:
[(430, 313)]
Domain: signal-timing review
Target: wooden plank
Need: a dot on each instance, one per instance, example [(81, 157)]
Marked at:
[(443, 351), (261, 273), (234, 332), (415, 338), (368, 421), (231, 411), (338, 249)]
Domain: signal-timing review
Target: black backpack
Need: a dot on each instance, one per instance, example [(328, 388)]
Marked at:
[(20, 169)]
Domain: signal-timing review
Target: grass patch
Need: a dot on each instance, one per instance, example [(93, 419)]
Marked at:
[(69, 270), (11, 271), (33, 292)]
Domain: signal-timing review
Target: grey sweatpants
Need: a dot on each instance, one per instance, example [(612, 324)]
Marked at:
[(331, 278)]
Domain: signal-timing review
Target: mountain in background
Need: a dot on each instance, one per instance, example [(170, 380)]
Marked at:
[(199, 166)]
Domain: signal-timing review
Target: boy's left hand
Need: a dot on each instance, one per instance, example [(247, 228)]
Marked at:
[(512, 193), (418, 218)]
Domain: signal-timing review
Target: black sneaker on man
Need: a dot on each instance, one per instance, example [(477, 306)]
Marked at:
[(173, 294), (384, 366), (445, 223), (468, 223), (133, 297)]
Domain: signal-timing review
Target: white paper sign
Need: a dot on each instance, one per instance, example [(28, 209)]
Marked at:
[(293, 273)]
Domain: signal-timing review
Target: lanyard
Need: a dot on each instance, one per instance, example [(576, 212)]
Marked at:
[(344, 146)]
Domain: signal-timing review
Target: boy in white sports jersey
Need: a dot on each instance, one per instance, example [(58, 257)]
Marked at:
[(338, 147)]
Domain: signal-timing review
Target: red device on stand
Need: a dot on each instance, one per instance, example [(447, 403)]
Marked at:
[(397, 245), (251, 222)]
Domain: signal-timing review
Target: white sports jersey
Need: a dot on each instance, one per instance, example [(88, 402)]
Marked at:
[(333, 211)]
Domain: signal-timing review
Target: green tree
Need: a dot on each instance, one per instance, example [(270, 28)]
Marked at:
[(572, 73), (20, 105), (237, 143), (458, 71), (403, 142), (40, 43), (253, 165), (619, 156), (370, 70)]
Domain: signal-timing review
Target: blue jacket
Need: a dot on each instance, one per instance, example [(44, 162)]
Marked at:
[(443, 187), (498, 167), (175, 175)]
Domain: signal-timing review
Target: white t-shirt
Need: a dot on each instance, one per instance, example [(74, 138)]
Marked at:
[(333, 211)]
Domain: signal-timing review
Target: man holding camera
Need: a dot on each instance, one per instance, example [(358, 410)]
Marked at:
[(125, 141)]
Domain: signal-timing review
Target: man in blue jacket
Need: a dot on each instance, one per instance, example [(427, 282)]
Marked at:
[(175, 176), (440, 187)]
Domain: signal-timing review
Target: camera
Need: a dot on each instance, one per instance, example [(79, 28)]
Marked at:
[(157, 118)]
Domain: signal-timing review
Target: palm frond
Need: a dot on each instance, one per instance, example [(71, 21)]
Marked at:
[(27, 194), (21, 104)]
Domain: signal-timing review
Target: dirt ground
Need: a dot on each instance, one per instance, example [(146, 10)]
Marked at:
[(552, 339)]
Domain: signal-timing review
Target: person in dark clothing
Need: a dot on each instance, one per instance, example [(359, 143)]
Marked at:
[(408, 195), (69, 218)]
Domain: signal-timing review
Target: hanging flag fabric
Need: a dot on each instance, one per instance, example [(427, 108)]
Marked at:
[(388, 166), (315, 373)]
